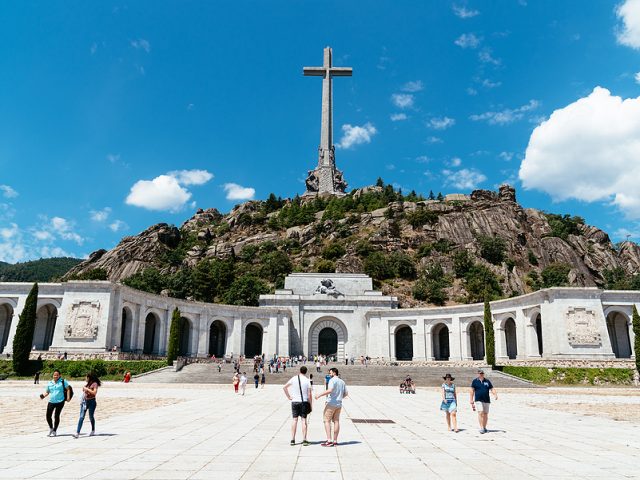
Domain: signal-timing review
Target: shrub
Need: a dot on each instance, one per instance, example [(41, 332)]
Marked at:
[(421, 216), (149, 280), (533, 260), (106, 369), (564, 225), (480, 282), (248, 253), (489, 336), (462, 263), (24, 333), (533, 280), (378, 267), (324, 266), (572, 376), (275, 265), (492, 249), (402, 265), (93, 274), (333, 251), (555, 275), (174, 337), (424, 250), (443, 245), (364, 248), (431, 286)]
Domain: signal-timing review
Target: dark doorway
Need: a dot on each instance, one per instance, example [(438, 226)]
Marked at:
[(618, 329), (476, 338), (327, 341), (6, 313), (185, 337), (404, 343), (45, 327), (253, 340), (150, 327), (125, 333), (539, 333), (217, 339), (511, 338), (441, 342)]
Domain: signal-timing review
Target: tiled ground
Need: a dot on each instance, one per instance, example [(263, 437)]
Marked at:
[(212, 433)]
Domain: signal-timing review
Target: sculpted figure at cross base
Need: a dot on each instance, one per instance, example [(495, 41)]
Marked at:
[(327, 287)]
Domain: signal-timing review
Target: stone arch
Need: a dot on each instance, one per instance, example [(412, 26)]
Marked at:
[(511, 338), (253, 336), (618, 329), (536, 322), (476, 340), (217, 338), (404, 342), (46, 318), (6, 315), (440, 340), (126, 329), (321, 324), (186, 331), (151, 332)]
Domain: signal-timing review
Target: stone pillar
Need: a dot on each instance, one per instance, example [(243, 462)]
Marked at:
[(455, 339), (391, 334), (163, 332), (500, 341), (12, 330), (465, 341), (140, 330), (236, 337), (283, 334), (521, 333), (203, 335), (428, 343), (419, 352)]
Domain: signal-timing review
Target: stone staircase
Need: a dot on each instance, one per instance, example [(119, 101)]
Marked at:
[(373, 375)]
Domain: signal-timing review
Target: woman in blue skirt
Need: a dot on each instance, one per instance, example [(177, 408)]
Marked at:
[(449, 403)]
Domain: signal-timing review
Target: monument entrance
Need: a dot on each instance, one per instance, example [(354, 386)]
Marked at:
[(328, 341), (404, 343), (217, 339), (253, 340)]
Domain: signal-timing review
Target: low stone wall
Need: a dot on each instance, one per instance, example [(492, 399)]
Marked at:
[(51, 355), (626, 363)]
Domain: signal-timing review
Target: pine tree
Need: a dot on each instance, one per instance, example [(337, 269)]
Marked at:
[(379, 182), (636, 332), (440, 197), (24, 333), (489, 337), (431, 195), (174, 337)]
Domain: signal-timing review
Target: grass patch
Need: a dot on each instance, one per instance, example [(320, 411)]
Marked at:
[(572, 376), (77, 369)]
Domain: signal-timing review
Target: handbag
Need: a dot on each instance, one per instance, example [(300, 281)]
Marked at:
[(307, 405), (68, 391)]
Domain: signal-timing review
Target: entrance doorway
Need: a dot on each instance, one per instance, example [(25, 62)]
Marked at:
[(217, 339), (404, 343), (618, 328), (476, 338), (440, 342), (150, 328), (253, 340), (538, 326), (328, 342), (511, 338)]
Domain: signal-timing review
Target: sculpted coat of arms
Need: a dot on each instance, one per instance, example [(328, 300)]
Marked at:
[(83, 321), (582, 329)]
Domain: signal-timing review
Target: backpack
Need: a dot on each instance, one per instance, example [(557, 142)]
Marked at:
[(68, 391)]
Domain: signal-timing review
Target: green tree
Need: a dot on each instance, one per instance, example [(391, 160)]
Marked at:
[(379, 182), (402, 265), (421, 216), (324, 266), (378, 267), (333, 251), (175, 331), (480, 282), (246, 290), (564, 225), (492, 249), (275, 265), (636, 332), (440, 197), (24, 333), (462, 263), (489, 337), (555, 275), (431, 195), (149, 280), (431, 285)]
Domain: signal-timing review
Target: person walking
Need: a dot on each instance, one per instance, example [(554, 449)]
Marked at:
[(36, 378), (236, 382), (88, 403), (256, 379), (57, 392), (243, 382), (449, 403), (263, 380), (336, 392), (127, 377), (301, 400), (479, 396)]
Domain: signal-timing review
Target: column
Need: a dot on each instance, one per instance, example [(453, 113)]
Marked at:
[(419, 352), (455, 339), (140, 331), (236, 338), (521, 334), (500, 341), (428, 342), (203, 335)]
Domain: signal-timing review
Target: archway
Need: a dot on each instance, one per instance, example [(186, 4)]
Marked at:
[(217, 339), (126, 327), (328, 341), (314, 336), (538, 326), (6, 314), (618, 328), (476, 339), (184, 349), (252, 340), (45, 326), (440, 335), (150, 333), (511, 338), (404, 343)]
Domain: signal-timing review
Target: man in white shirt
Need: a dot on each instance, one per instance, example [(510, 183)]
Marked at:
[(243, 382), (301, 398)]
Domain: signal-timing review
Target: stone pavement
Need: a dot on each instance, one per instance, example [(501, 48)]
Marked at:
[(212, 433)]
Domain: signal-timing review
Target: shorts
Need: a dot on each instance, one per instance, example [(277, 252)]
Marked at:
[(331, 414), (299, 409), (482, 407), (449, 407)]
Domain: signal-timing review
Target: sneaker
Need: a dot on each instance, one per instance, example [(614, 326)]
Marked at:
[(481, 430), (485, 430), (76, 435), (328, 443), (93, 433), (305, 443), (293, 442), (53, 433), (50, 432)]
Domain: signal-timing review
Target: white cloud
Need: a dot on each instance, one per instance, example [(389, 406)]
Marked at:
[(465, 179), (454, 162), (412, 87), (141, 44), (506, 156), (65, 230), (489, 84), (629, 32), (441, 123), (238, 192), (637, 77), (191, 177), (464, 12), (390, 166), (486, 56), (467, 40), (42, 235), (100, 215), (117, 225), (8, 192), (113, 158), (9, 232), (472, 91), (433, 140), (402, 100), (162, 193), (397, 117), (355, 135), (589, 151), (422, 159), (507, 115)]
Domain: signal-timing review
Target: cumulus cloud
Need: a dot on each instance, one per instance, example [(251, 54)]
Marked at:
[(117, 225), (507, 115), (397, 117), (441, 123), (506, 156), (628, 33), (238, 192), (8, 192), (464, 12), (454, 162), (141, 44), (589, 151), (637, 77), (465, 179), (402, 100), (486, 56), (412, 87), (100, 215), (65, 230), (166, 192), (490, 84), (433, 140), (467, 40), (113, 157), (353, 135)]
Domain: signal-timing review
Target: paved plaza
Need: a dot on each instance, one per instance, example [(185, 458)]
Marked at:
[(157, 431)]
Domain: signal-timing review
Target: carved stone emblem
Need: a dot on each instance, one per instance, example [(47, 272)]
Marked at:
[(82, 321), (582, 330), (327, 287)]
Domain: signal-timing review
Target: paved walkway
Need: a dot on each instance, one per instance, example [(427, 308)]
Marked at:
[(212, 433)]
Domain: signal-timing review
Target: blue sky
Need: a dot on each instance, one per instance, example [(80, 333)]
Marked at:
[(116, 116)]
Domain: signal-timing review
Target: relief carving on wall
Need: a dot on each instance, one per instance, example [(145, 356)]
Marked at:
[(82, 323), (327, 287), (582, 329)]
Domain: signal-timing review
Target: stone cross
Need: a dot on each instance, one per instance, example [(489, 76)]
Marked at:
[(326, 178)]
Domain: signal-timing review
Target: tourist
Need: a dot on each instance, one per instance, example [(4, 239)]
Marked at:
[(318, 366), (57, 392), (256, 379), (449, 403), (336, 392), (236, 381), (88, 403), (301, 403), (36, 378), (263, 380), (327, 379), (243, 382), (480, 388), (219, 367), (127, 377)]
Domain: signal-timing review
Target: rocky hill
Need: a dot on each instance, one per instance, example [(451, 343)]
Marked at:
[(457, 249)]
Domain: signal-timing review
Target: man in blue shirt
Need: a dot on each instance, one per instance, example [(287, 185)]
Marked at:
[(336, 391), (480, 388)]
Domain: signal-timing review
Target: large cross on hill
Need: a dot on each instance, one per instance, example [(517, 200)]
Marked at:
[(326, 178)]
